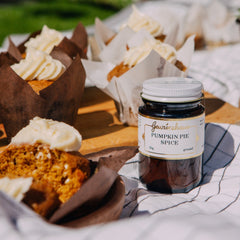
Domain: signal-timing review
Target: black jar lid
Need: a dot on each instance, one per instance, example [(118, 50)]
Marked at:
[(172, 89)]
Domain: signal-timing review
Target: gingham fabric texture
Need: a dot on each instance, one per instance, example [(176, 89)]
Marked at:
[(211, 210)]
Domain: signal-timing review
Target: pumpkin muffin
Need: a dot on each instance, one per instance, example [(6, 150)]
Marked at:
[(47, 152), (137, 54), (39, 69)]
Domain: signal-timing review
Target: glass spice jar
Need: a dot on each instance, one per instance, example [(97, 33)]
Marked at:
[(171, 134)]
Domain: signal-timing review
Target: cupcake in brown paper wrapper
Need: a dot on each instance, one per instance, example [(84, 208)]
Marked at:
[(60, 101), (125, 89), (101, 197), (43, 168), (77, 44)]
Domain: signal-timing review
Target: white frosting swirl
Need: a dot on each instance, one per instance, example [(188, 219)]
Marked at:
[(137, 21), (136, 54), (38, 65), (15, 187), (46, 40), (58, 135)]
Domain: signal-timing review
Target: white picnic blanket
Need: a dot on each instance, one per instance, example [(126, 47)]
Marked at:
[(210, 211), (219, 72)]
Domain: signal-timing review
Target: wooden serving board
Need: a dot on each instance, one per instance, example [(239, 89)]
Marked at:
[(100, 128)]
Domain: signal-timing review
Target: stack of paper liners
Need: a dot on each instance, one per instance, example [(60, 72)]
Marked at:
[(59, 101)]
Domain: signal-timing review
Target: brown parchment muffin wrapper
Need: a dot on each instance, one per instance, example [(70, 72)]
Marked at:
[(99, 200), (77, 44), (60, 101), (93, 192)]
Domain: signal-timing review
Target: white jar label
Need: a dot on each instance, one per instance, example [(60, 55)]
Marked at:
[(174, 139)]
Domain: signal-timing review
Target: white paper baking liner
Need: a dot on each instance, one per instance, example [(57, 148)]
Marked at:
[(125, 90)]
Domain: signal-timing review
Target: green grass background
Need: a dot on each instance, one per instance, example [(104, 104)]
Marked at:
[(22, 16)]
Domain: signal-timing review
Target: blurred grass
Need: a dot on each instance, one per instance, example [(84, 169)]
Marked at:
[(28, 16)]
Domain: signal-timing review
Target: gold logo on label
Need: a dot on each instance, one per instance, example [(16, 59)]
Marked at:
[(167, 127)]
